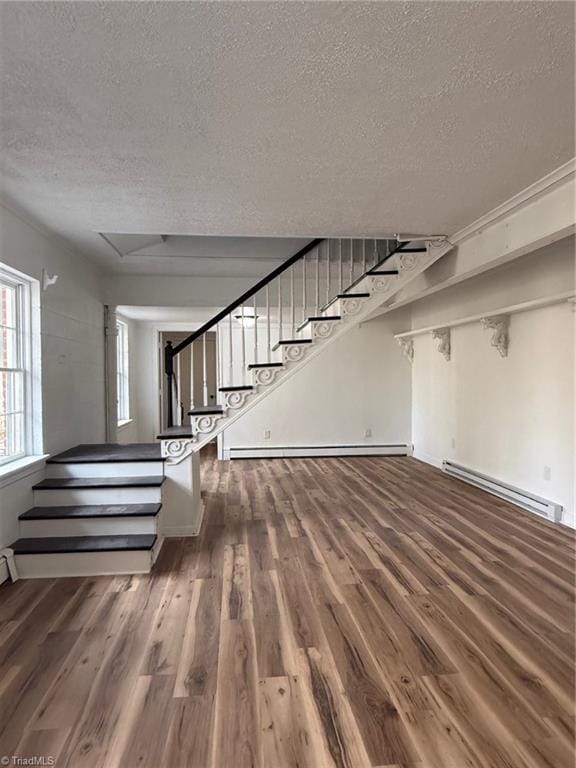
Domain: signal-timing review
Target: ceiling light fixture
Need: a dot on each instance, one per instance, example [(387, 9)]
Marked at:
[(247, 317)]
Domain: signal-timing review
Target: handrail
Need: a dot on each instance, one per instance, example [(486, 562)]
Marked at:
[(245, 296)]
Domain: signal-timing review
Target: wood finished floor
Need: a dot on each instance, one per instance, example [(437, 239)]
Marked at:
[(338, 612)]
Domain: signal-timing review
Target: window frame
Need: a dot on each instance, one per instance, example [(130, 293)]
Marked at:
[(122, 372), (27, 365)]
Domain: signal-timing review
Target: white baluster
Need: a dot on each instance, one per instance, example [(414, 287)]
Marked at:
[(220, 363), (363, 256), (231, 361), (317, 283), (267, 325), (204, 371), (255, 330), (328, 272), (280, 299), (351, 262), (341, 275), (292, 306), (243, 346), (304, 301)]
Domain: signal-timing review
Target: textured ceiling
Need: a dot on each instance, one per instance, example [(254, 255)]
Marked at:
[(282, 119)]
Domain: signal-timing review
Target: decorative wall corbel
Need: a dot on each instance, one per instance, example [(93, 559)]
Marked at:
[(175, 451), (443, 336), (407, 346), (500, 324)]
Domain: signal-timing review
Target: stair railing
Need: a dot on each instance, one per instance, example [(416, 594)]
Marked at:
[(250, 331)]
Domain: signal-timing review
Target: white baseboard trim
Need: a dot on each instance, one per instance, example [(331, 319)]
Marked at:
[(427, 458), (311, 451)]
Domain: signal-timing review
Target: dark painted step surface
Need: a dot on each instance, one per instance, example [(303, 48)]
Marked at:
[(92, 511), (318, 318), (205, 410), (382, 272), (65, 544), (108, 452), (285, 343), (236, 389), (350, 295), (63, 483), (265, 365), (176, 433)]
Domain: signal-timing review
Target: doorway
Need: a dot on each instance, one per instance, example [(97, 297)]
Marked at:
[(195, 375)]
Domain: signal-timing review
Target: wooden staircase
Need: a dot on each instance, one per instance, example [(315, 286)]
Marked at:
[(290, 323), (99, 509), (97, 512)]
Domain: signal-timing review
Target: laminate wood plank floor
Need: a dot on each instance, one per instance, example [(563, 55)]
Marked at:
[(332, 613)]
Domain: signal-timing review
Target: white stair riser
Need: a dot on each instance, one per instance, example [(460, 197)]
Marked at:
[(106, 469), (91, 526), (84, 564), (69, 496)]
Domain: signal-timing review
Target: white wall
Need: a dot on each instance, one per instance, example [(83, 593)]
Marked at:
[(507, 417), (359, 382), (174, 291), (72, 350)]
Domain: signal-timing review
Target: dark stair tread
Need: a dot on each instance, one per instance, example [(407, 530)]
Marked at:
[(104, 452), (66, 483), (318, 318), (206, 410), (383, 272), (236, 389), (346, 296), (68, 544), (176, 433), (91, 511), (412, 250), (265, 365), (285, 342)]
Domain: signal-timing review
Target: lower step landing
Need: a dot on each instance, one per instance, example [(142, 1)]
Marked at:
[(85, 555)]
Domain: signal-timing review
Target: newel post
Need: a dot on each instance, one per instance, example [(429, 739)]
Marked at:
[(182, 506)]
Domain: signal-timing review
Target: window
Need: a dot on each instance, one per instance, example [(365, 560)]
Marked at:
[(16, 420), (122, 380)]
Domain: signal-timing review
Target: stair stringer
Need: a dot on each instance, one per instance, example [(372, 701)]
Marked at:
[(410, 266)]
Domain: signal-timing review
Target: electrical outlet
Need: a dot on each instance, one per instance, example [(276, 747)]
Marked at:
[(266, 434), (368, 433), (547, 473)]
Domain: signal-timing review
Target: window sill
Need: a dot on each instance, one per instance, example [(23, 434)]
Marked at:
[(123, 424), (16, 470)]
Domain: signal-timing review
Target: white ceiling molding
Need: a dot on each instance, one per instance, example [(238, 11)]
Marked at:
[(540, 215), (500, 325), (565, 173)]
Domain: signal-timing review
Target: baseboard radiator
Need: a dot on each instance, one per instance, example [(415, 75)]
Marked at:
[(318, 451), (542, 507)]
